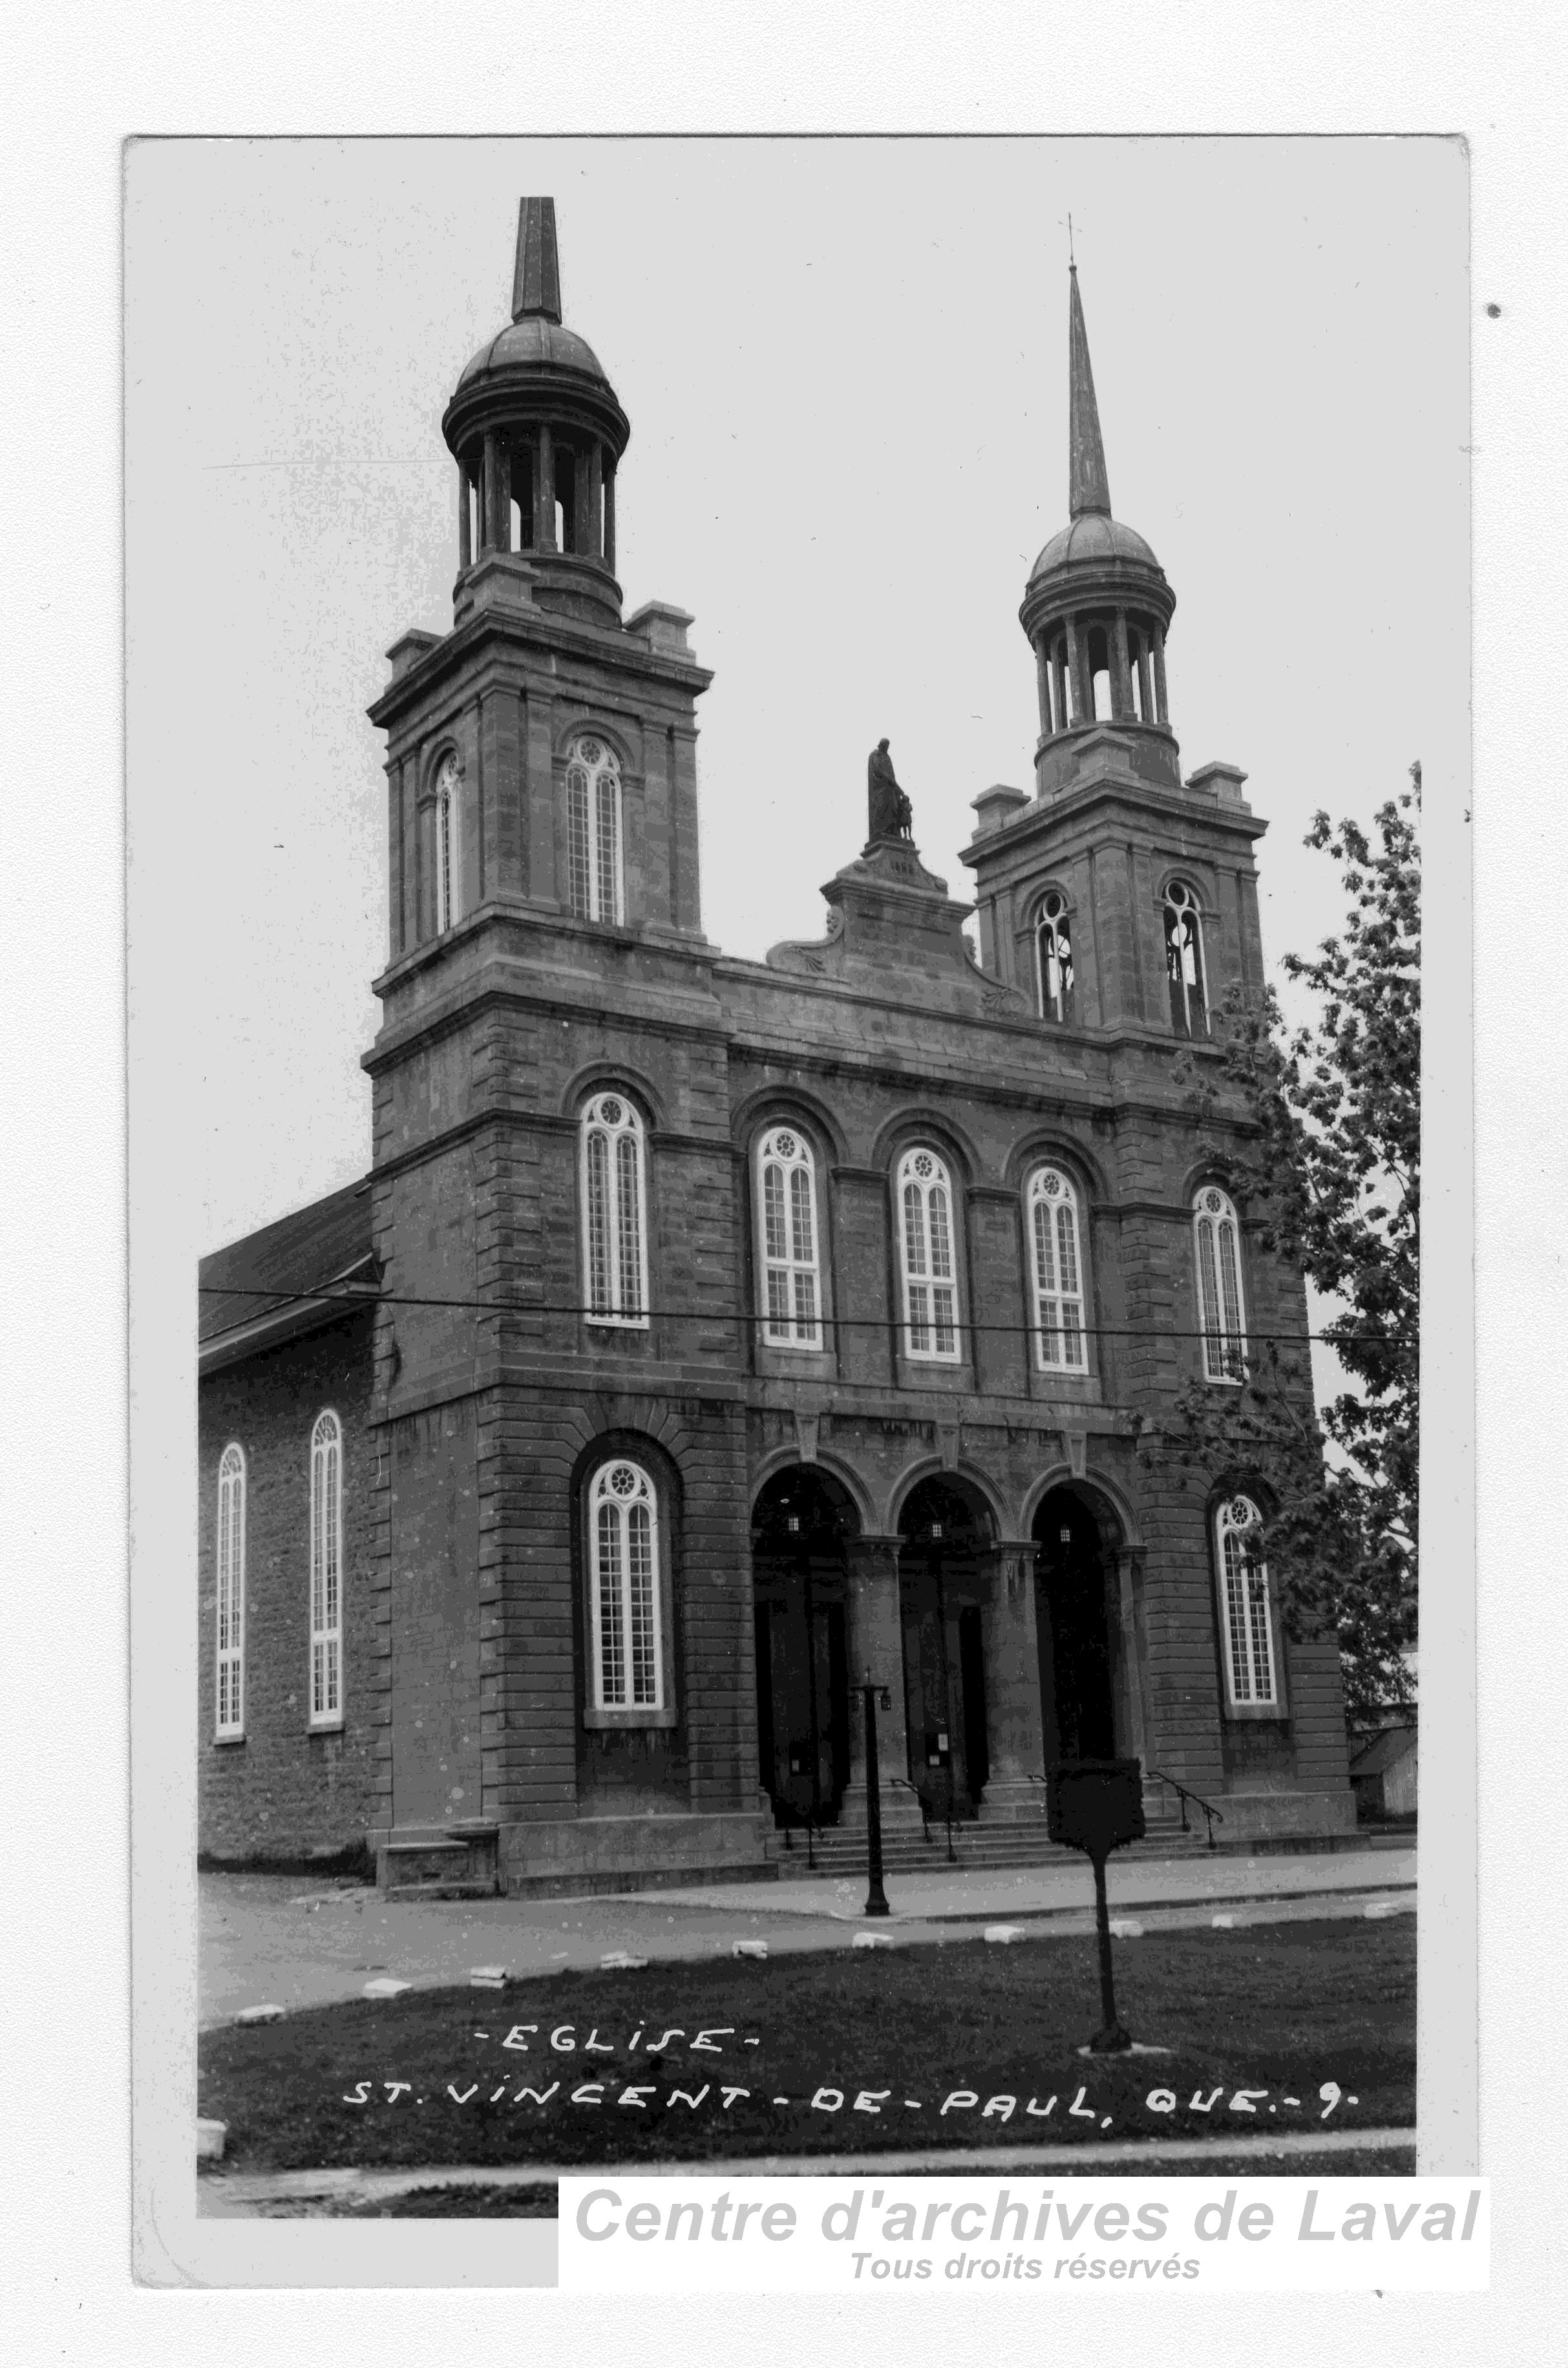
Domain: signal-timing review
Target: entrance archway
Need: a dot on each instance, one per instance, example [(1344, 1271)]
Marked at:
[(944, 1564), (801, 1526), (1075, 1567)]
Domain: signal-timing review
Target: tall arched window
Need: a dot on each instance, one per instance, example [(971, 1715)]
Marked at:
[(593, 831), (624, 1610), (1221, 1311), (1053, 949), (613, 1205), (326, 1572), (925, 1244), (1183, 962), (231, 1593), (1058, 1271), (1244, 1603), (787, 1220), (448, 845)]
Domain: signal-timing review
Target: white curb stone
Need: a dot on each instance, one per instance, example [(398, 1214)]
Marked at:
[(1004, 1933), (1225, 1923), (749, 1949), (872, 1940), (260, 2014), (386, 1987), (621, 1961), (210, 2137), (487, 1977), (1126, 1928)]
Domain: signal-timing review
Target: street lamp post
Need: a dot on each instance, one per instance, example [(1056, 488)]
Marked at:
[(876, 1898)]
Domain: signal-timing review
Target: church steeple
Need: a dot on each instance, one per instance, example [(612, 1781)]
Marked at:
[(1089, 894), (1098, 605), (1089, 488), (536, 282), (538, 437)]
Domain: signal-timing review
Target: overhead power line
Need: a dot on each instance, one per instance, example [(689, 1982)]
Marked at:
[(372, 1298)]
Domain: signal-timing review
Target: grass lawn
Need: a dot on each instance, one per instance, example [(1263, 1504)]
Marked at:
[(1277, 2010)]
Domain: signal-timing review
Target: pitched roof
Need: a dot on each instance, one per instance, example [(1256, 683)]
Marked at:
[(1381, 1754), (262, 1288)]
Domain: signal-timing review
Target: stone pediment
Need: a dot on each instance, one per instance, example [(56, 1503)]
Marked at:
[(891, 927)]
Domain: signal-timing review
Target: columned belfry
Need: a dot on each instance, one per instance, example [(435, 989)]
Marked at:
[(1097, 607), (538, 435)]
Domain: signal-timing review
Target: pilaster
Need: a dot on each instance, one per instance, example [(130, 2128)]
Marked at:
[(1016, 1732)]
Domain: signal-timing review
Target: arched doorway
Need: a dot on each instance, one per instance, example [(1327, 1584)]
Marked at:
[(800, 1525), (1074, 1567), (945, 1566)]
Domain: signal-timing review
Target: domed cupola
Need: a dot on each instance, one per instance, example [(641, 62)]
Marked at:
[(1097, 607), (537, 434)]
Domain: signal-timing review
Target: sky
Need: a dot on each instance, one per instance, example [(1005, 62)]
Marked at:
[(844, 364)]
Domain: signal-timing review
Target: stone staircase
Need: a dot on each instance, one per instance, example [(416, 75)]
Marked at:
[(979, 1845)]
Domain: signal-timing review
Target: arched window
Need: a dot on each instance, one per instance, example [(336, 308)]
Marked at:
[(1183, 962), (593, 831), (1058, 1271), (787, 1220), (626, 1611), (1221, 1311), (925, 1244), (1244, 1603), (326, 1572), (449, 883), (613, 1225), (231, 1593), (1054, 948)]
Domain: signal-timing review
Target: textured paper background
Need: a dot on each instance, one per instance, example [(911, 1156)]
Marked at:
[(88, 80)]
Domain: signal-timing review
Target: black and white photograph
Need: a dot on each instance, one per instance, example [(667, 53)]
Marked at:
[(804, 1542), (787, 806), (783, 1277)]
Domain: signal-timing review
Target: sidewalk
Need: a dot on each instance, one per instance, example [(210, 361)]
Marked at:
[(961, 1896), (279, 1940)]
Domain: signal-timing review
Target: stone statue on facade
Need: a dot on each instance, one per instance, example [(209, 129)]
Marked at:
[(889, 813)]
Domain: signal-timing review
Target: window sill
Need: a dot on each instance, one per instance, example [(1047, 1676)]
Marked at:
[(225, 1742), (326, 1725), (613, 1718), (617, 1323), (1257, 1714)]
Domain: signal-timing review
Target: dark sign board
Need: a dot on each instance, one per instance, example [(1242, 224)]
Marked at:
[(1096, 1804)]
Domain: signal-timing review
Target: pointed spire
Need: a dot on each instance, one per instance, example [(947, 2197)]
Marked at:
[(1089, 488), (536, 283)]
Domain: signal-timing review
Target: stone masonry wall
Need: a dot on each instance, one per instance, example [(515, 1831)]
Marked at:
[(283, 1790)]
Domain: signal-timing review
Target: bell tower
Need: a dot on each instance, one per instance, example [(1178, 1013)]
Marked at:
[(1118, 895), (542, 756)]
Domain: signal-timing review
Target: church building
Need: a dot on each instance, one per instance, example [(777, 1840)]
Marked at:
[(709, 1337)]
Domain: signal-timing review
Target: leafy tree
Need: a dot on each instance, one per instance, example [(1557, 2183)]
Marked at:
[(1331, 1165)]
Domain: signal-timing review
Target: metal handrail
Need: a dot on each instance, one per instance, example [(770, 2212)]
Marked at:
[(904, 1784), (1213, 1814), (789, 1817)]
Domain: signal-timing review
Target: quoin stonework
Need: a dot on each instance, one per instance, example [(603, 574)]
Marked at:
[(708, 1336)]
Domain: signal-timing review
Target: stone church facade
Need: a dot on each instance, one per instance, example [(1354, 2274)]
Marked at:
[(709, 1337)]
